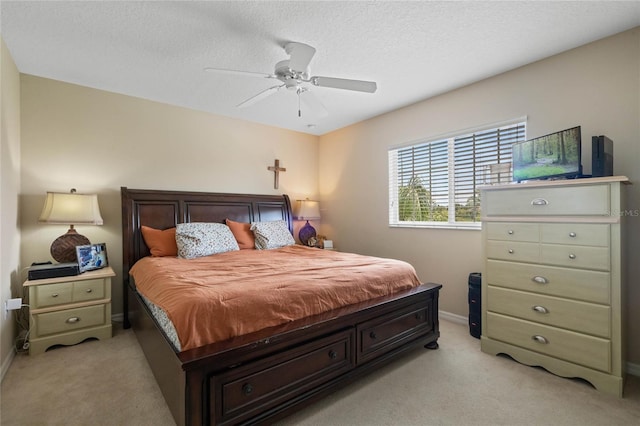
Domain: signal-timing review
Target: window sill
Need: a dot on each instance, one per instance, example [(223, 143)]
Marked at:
[(477, 226)]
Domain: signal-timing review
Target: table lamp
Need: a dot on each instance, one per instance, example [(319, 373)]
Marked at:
[(307, 210), (70, 208)]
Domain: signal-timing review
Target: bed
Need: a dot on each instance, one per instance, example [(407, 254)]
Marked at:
[(270, 372)]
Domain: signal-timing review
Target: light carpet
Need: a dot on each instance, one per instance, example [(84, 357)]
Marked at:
[(109, 383)]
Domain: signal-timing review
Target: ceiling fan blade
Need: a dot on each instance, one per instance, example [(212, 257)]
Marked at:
[(236, 72), (301, 54), (343, 83), (266, 92), (314, 104)]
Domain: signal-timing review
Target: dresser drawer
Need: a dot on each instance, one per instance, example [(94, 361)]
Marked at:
[(525, 232), (70, 319), (253, 388), (88, 290), (51, 295), (578, 234), (590, 286), (597, 258), (383, 334), (587, 200), (513, 250), (589, 351), (574, 315)]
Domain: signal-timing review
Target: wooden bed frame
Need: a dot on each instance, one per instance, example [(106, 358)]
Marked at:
[(266, 375)]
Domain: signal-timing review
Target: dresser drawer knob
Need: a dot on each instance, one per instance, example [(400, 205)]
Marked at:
[(54, 295), (333, 354), (539, 339), (539, 202), (510, 232), (572, 256), (89, 290), (419, 316), (373, 335), (540, 309), (572, 234), (247, 389), (73, 320), (539, 280), (510, 251)]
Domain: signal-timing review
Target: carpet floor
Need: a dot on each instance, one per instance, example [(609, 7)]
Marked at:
[(109, 383)]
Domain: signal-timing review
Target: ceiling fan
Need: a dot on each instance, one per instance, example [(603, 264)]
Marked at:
[(294, 74)]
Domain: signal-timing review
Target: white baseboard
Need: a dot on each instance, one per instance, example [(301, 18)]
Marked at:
[(459, 319), (6, 364), (633, 369)]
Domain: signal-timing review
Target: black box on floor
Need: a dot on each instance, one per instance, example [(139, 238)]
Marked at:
[(475, 304)]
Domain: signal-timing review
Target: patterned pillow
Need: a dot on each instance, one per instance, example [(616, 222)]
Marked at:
[(270, 235), (202, 239)]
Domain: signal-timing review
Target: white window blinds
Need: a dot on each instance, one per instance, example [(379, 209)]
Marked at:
[(435, 182)]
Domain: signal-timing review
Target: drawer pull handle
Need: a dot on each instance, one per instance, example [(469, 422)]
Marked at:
[(247, 389), (510, 232), (89, 290), (333, 354), (419, 316), (54, 295), (572, 256), (510, 251), (73, 320), (539, 202), (539, 339), (540, 309), (373, 335), (572, 234), (540, 280)]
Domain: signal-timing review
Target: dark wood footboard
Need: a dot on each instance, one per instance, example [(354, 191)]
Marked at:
[(267, 375)]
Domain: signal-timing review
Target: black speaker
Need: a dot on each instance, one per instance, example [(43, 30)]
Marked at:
[(475, 302), (601, 156)]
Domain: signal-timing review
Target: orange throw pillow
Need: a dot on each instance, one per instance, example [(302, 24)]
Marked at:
[(160, 243), (243, 234)]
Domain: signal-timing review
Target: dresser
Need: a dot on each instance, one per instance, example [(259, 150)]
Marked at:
[(552, 284), (68, 310)]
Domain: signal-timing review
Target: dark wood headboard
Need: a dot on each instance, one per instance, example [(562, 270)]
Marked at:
[(165, 209)]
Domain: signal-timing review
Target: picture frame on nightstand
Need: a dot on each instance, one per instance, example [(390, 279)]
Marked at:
[(91, 257)]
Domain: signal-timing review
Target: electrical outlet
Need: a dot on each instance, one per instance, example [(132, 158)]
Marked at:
[(11, 305)]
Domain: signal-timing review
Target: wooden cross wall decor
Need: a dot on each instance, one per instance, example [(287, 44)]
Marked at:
[(276, 169)]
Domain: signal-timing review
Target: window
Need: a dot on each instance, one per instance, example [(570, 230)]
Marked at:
[(434, 183)]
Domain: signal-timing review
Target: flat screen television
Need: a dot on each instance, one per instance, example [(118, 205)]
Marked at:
[(556, 156)]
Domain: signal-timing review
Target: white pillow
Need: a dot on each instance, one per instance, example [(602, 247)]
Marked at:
[(270, 235), (203, 239)]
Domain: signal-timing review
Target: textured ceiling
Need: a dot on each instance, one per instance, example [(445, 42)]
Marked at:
[(413, 50)]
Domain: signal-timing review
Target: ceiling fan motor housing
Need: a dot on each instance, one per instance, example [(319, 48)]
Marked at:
[(291, 78)]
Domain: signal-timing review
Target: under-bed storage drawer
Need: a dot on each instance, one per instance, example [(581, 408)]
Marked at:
[(383, 334), (252, 389)]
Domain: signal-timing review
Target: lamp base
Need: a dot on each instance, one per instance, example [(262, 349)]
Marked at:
[(306, 232), (63, 248)]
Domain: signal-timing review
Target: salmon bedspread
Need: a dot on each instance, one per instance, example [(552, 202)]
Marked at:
[(217, 297)]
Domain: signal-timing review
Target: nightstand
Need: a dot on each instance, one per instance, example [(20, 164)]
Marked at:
[(68, 310)]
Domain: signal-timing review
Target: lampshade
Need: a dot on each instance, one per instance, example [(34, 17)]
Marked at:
[(71, 208), (307, 210)]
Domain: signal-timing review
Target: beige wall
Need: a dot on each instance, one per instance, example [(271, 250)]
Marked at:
[(96, 141), (9, 190), (596, 86)]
